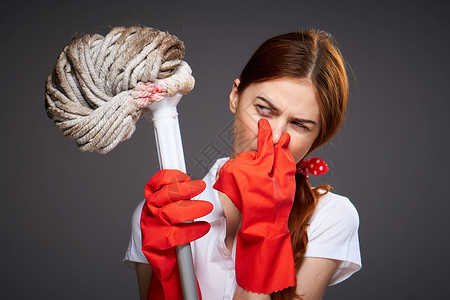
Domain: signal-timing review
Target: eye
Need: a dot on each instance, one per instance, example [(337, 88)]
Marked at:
[(300, 125), (263, 110)]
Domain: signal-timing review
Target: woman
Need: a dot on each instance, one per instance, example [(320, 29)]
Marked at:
[(267, 234)]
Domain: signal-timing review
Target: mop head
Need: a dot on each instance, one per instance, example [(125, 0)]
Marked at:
[(101, 85)]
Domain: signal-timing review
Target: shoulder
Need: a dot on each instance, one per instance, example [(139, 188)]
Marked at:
[(333, 234), (334, 210)]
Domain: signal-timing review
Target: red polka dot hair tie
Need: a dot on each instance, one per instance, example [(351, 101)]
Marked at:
[(314, 166)]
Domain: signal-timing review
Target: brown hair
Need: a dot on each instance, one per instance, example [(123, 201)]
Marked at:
[(311, 55)]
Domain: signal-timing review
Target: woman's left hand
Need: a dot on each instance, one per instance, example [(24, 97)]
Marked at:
[(261, 185)]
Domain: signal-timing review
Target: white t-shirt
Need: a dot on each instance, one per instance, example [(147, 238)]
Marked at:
[(332, 233)]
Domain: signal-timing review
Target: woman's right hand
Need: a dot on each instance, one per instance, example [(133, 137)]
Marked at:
[(162, 225)]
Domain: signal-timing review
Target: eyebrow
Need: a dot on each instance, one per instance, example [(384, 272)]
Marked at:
[(276, 109)]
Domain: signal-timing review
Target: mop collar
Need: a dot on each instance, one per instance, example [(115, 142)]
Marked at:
[(101, 85)]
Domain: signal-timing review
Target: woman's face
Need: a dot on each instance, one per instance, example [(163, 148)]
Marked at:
[(290, 105)]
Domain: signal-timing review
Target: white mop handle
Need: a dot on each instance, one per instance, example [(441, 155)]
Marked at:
[(170, 154), (167, 133)]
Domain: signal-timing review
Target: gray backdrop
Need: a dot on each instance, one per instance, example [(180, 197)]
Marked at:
[(65, 215)]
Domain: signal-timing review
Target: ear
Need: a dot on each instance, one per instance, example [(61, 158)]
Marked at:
[(234, 96)]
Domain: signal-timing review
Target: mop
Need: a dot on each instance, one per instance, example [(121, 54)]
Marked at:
[(101, 85)]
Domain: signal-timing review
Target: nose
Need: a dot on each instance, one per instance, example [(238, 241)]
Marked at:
[(278, 128)]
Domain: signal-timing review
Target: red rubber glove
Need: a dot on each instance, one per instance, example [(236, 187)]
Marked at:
[(262, 186), (165, 209)]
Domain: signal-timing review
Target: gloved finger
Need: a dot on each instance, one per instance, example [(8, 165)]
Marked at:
[(187, 232), (265, 142), (284, 163), (227, 166), (167, 238), (283, 141), (185, 210), (174, 191), (164, 177), (283, 159), (226, 183), (246, 155), (241, 156)]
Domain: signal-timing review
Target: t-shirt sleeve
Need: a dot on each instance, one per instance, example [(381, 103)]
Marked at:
[(134, 252), (333, 233)]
